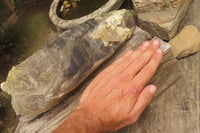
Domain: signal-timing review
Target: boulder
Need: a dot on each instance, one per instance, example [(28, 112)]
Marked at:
[(186, 42), (42, 80), (161, 17)]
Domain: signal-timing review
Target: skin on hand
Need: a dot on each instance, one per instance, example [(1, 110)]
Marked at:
[(118, 95)]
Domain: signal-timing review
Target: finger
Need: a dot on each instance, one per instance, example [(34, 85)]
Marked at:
[(127, 61), (143, 100), (120, 64), (142, 78), (107, 73), (118, 61), (142, 60), (118, 71)]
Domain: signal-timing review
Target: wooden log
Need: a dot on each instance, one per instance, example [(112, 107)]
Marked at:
[(167, 74)]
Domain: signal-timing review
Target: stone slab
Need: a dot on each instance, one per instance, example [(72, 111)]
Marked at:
[(161, 17), (192, 16)]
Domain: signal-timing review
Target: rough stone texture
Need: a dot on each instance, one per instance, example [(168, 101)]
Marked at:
[(186, 42), (50, 120), (41, 81), (65, 24), (161, 17), (192, 16)]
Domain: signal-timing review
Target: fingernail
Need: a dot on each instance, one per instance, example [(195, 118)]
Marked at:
[(146, 44), (156, 42), (153, 89), (159, 50)]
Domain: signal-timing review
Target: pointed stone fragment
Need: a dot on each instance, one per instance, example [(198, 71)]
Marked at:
[(186, 42), (161, 17)]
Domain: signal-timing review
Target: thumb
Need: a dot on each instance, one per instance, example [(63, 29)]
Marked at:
[(143, 100)]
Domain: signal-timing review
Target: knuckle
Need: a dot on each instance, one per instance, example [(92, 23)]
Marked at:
[(140, 50), (132, 87), (150, 51), (156, 60), (133, 119), (145, 100), (125, 75), (153, 48), (122, 77), (128, 59), (142, 60), (149, 69), (118, 80)]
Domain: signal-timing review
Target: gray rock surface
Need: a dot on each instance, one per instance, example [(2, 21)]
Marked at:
[(50, 120), (42, 80), (65, 24), (161, 17), (186, 42), (192, 16)]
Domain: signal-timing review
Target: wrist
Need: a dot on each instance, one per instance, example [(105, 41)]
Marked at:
[(90, 122)]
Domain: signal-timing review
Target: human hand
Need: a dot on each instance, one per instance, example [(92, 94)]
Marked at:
[(117, 96)]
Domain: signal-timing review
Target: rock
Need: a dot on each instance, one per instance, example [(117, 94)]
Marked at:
[(65, 24), (42, 80), (167, 75), (186, 42), (192, 16), (161, 17)]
